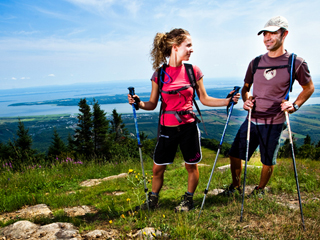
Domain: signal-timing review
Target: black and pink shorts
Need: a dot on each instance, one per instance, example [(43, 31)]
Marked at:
[(187, 136)]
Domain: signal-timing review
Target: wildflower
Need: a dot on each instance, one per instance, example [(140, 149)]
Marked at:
[(153, 234), (146, 173), (149, 181), (136, 176), (110, 221), (130, 170), (144, 233), (163, 216), (39, 166), (123, 216), (128, 199)]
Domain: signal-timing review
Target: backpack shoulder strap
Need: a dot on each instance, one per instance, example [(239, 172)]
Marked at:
[(192, 79), (161, 76), (255, 64), (191, 75), (292, 69), (160, 84)]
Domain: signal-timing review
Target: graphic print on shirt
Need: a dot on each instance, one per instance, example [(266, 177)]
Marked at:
[(269, 74)]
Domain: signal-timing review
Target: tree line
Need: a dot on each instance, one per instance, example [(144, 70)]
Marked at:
[(98, 139), (95, 138)]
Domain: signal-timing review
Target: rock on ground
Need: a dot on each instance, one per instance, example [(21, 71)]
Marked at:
[(78, 211), (29, 230), (35, 211), (147, 233), (101, 234), (93, 182)]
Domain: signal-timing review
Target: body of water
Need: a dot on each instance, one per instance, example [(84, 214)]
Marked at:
[(11, 96)]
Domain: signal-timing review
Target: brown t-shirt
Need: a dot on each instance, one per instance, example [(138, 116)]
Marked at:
[(270, 88)]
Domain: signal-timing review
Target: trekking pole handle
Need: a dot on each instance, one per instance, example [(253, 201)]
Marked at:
[(231, 102), (236, 90), (136, 99)]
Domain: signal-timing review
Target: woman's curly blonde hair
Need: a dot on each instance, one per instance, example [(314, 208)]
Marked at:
[(162, 45)]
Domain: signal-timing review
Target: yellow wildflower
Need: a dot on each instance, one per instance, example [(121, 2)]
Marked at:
[(163, 216), (110, 221), (130, 170), (153, 234), (128, 199), (123, 216), (144, 233)]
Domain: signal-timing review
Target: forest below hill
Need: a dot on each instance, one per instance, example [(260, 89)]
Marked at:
[(304, 122)]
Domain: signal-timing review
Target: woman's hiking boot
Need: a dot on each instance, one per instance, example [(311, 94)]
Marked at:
[(257, 192), (230, 191), (152, 201), (186, 203)]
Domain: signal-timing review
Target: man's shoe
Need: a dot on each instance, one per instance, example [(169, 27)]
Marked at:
[(152, 201), (257, 192), (230, 191), (186, 203)]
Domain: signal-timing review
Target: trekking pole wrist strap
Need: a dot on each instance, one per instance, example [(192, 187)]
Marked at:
[(136, 102)]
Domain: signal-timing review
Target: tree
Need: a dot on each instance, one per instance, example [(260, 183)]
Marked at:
[(20, 149), (100, 130), (71, 147), (307, 150), (24, 140), (117, 126), (307, 140), (83, 134), (286, 151), (57, 145)]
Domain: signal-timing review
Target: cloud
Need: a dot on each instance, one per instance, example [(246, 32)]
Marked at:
[(25, 32), (51, 75), (97, 6), (13, 78)]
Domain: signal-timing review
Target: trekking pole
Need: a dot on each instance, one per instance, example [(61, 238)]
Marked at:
[(236, 90), (294, 166), (246, 163), (134, 107), (291, 141)]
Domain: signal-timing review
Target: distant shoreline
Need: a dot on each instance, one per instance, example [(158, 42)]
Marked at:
[(117, 98)]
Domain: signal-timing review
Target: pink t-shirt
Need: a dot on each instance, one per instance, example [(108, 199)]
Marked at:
[(270, 88), (181, 101)]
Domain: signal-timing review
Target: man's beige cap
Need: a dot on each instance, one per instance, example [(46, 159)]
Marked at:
[(274, 24)]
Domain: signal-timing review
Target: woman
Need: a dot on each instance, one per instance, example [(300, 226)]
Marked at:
[(178, 122)]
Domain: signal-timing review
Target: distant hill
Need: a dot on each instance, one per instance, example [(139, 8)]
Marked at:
[(305, 121)]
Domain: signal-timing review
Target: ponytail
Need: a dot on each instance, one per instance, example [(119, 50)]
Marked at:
[(162, 45)]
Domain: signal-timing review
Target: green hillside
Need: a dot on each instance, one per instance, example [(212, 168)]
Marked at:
[(305, 121)]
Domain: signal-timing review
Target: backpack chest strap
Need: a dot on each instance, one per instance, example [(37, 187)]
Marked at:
[(175, 91), (178, 113)]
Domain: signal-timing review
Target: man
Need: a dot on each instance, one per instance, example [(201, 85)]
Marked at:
[(271, 81)]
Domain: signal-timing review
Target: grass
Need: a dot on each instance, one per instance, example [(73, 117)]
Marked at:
[(262, 219)]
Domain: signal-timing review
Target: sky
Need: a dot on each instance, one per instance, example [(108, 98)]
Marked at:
[(62, 42)]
